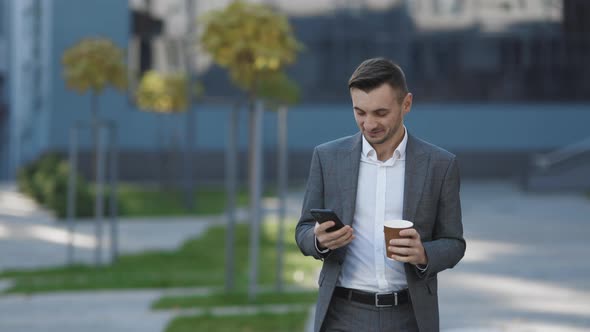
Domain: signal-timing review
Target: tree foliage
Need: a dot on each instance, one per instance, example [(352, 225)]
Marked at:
[(164, 93), (93, 64), (279, 89), (251, 41)]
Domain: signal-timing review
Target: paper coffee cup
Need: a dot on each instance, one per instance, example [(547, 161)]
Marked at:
[(391, 228)]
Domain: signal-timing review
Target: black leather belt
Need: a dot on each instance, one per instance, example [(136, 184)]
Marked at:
[(389, 299)]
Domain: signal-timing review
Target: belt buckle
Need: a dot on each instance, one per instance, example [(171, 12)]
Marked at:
[(385, 305)]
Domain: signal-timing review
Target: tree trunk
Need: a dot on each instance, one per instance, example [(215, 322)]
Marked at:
[(282, 191), (161, 137), (255, 157), (98, 176), (231, 161), (189, 185)]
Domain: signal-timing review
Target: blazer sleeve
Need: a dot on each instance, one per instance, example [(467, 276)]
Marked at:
[(314, 198), (448, 246)]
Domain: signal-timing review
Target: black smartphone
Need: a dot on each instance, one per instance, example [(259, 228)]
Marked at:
[(323, 215)]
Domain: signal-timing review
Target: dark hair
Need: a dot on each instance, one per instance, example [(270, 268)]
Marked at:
[(372, 73)]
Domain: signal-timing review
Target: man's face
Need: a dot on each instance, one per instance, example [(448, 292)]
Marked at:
[(379, 114)]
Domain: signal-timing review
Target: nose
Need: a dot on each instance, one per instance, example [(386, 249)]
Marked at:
[(370, 124)]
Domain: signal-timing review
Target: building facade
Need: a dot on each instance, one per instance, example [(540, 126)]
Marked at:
[(27, 95), (4, 139), (508, 65)]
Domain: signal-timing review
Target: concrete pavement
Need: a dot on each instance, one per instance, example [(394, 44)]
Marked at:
[(30, 237), (125, 311), (526, 269)]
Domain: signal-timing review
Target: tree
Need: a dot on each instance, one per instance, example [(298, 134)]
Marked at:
[(254, 44), (162, 93), (251, 41), (94, 64), (278, 89)]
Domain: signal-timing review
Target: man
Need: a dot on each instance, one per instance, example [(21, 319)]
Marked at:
[(381, 173)]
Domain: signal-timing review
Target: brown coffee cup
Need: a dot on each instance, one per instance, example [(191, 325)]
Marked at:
[(391, 228)]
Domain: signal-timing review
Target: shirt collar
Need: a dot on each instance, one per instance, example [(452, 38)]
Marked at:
[(400, 152)]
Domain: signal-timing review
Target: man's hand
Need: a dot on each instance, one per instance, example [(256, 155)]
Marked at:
[(332, 240), (409, 249)]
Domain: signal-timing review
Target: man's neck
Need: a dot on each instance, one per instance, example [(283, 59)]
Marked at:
[(386, 149)]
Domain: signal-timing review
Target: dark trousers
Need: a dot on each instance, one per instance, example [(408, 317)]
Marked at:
[(347, 316)]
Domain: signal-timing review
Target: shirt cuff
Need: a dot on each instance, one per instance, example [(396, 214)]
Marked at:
[(325, 251)]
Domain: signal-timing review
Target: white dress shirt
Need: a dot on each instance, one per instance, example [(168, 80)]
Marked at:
[(380, 197)]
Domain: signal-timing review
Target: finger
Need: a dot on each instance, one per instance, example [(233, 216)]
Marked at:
[(403, 251), (340, 244), (325, 225), (320, 230), (338, 233), (403, 259), (344, 240), (402, 242), (340, 241), (410, 232)]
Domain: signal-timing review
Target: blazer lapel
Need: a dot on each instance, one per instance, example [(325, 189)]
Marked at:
[(348, 165), (414, 178)]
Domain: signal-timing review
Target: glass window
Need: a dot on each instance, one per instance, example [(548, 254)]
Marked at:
[(3, 20)]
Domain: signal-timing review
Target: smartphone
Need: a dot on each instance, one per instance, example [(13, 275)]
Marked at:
[(323, 215)]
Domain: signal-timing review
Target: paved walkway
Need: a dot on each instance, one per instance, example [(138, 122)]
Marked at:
[(30, 237), (84, 311), (526, 267)]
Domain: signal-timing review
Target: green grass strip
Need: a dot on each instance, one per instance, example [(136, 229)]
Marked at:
[(151, 201), (263, 322), (199, 262), (234, 299)]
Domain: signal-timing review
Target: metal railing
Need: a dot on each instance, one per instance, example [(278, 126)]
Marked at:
[(547, 160)]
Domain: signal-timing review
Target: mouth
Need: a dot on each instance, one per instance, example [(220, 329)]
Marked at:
[(374, 133)]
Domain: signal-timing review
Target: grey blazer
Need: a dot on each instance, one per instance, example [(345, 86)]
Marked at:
[(431, 201)]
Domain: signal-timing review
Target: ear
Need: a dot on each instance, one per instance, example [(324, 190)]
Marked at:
[(407, 103)]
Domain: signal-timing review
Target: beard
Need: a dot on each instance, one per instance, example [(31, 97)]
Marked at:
[(385, 136)]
